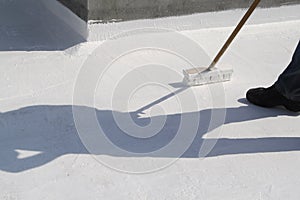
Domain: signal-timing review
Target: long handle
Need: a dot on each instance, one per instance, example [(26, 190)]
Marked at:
[(235, 32)]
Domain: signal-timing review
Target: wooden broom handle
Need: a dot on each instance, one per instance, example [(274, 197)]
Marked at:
[(234, 33)]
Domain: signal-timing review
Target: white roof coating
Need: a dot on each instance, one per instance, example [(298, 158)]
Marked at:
[(186, 143)]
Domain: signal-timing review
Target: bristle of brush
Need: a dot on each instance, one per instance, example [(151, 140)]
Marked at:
[(206, 77)]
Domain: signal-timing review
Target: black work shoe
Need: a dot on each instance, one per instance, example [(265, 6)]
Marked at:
[(270, 97)]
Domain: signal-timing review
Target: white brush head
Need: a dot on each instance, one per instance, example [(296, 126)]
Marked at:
[(203, 76)]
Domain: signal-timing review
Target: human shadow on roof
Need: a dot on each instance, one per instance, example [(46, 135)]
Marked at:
[(30, 25), (50, 132)]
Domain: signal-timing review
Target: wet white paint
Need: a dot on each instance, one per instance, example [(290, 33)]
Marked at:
[(257, 156)]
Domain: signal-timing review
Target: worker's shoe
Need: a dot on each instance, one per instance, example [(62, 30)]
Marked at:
[(270, 97)]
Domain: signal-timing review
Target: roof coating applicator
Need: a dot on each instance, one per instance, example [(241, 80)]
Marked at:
[(202, 75)]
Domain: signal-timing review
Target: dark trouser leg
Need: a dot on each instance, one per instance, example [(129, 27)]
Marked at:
[(288, 83)]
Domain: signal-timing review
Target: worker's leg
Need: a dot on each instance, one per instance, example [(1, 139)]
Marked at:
[(288, 83), (285, 92)]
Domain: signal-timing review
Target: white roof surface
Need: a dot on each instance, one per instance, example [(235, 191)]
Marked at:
[(257, 154)]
